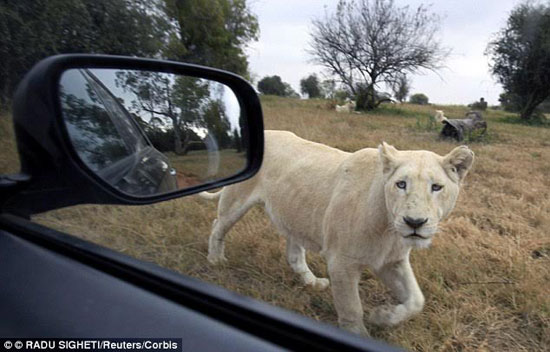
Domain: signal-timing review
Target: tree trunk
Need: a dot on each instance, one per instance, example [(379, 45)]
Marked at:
[(366, 98), (178, 145), (530, 106)]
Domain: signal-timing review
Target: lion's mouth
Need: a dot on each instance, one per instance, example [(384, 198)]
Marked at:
[(416, 236)]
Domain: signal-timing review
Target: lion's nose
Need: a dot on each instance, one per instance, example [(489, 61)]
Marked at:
[(414, 223)]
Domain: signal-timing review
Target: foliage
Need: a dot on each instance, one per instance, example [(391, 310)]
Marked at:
[(538, 120), (401, 88), (342, 95), (479, 105), (93, 133), (310, 86), (368, 42), (274, 85), (521, 58), (33, 30), (212, 33), (176, 108), (509, 102), (290, 92), (419, 98)]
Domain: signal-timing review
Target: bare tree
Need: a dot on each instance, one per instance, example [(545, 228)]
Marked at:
[(369, 42)]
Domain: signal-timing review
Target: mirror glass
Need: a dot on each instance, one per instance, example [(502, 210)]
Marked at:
[(148, 133)]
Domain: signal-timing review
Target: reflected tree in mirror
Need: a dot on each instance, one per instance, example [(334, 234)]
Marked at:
[(108, 140), (92, 132), (173, 105)]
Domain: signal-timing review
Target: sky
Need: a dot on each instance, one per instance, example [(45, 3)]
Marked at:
[(466, 27)]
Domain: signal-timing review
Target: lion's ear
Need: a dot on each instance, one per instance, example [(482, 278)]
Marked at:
[(388, 157), (458, 162)]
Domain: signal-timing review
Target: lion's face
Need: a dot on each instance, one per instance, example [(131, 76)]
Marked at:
[(421, 189)]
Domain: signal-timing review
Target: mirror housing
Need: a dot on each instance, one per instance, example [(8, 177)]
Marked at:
[(55, 176)]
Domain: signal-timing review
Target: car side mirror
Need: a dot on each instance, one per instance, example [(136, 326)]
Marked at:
[(119, 130), (148, 132)]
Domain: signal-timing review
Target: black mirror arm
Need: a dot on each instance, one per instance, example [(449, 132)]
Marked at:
[(10, 185)]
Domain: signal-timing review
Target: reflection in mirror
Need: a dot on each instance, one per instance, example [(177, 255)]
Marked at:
[(148, 133)]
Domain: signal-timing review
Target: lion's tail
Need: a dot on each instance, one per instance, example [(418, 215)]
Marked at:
[(210, 196)]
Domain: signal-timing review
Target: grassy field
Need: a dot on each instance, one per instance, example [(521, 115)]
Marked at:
[(486, 277)]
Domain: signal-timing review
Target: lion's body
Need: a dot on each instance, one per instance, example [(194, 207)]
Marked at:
[(323, 199)]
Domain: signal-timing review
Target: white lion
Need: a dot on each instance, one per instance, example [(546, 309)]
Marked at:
[(348, 107), (439, 117), (362, 209)]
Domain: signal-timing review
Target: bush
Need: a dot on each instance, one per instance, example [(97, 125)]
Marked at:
[(274, 85), (310, 86), (479, 105), (419, 98)]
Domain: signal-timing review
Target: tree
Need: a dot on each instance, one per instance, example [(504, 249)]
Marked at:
[(290, 92), (419, 98), (274, 85), (509, 102), (401, 88), (181, 101), (33, 30), (520, 57), (310, 86), (217, 124), (212, 32), (368, 42)]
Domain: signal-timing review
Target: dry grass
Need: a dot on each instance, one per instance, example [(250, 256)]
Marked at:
[(486, 277), (9, 160), (195, 164)]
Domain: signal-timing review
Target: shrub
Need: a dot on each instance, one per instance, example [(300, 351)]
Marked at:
[(479, 105), (419, 98), (310, 86), (274, 85)]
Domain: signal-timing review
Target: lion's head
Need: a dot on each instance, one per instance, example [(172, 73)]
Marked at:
[(421, 189)]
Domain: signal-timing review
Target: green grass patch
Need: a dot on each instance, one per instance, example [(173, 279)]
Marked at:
[(427, 123), (535, 122), (394, 110)]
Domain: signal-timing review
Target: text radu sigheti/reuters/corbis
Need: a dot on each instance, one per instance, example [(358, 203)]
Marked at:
[(92, 344)]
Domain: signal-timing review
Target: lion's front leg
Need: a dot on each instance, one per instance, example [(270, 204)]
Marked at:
[(399, 277), (345, 291)]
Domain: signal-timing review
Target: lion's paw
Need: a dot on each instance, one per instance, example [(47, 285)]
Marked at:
[(386, 315), (216, 259), (320, 284), (356, 328)]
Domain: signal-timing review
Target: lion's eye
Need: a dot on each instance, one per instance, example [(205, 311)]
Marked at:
[(436, 188), (401, 184)]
